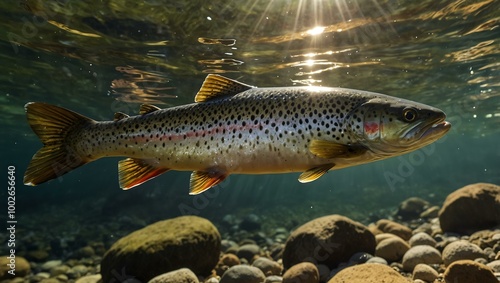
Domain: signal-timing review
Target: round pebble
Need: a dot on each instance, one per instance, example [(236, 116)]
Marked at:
[(420, 254), (421, 239), (61, 269), (395, 228), (425, 273), (183, 275), (461, 250), (50, 264), (494, 265), (273, 279), (248, 251), (392, 249), (269, 267), (468, 271), (304, 272), (89, 279), (377, 259), (243, 274)]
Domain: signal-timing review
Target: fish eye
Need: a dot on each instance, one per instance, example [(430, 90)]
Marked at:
[(409, 114)]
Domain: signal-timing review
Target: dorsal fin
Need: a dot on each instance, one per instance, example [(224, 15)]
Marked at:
[(119, 115), (147, 108), (216, 86)]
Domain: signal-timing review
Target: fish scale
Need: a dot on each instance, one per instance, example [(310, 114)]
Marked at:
[(236, 128)]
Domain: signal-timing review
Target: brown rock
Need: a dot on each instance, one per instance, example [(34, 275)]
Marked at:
[(425, 273), (162, 247), (431, 212), (373, 228), (368, 273), (388, 226), (471, 208), (225, 262), (392, 249), (460, 250), (327, 240), (411, 208), (380, 237), (468, 271), (268, 266), (243, 274), (420, 254), (485, 238), (183, 275), (422, 239), (22, 267), (304, 272)]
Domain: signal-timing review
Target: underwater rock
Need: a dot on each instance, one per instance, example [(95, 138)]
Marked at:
[(327, 240), (494, 265), (392, 249), (460, 250), (273, 279), (468, 271), (420, 254), (380, 237), (50, 264), (77, 271), (251, 222), (243, 274), (38, 255), (360, 257), (486, 239), (424, 273), (269, 267), (471, 208), (248, 251), (183, 275), (377, 259), (431, 212), (368, 273), (304, 272), (61, 269), (388, 226), (225, 262), (162, 247), (227, 244), (22, 267), (421, 239), (411, 208), (89, 279)]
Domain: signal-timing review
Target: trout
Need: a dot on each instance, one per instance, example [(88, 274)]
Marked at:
[(235, 128)]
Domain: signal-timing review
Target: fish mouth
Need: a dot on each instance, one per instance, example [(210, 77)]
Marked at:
[(431, 131)]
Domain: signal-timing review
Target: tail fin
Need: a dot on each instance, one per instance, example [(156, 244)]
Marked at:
[(52, 125)]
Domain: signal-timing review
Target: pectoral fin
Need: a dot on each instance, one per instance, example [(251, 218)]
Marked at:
[(314, 173), (330, 149), (133, 172), (204, 180)]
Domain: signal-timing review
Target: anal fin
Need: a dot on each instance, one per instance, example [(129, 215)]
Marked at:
[(133, 172), (204, 180), (314, 173)]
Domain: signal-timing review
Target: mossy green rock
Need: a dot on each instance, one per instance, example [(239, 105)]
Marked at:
[(187, 241)]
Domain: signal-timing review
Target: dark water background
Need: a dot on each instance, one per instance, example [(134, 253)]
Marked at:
[(99, 57)]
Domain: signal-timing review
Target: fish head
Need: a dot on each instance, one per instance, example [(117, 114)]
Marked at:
[(390, 126)]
